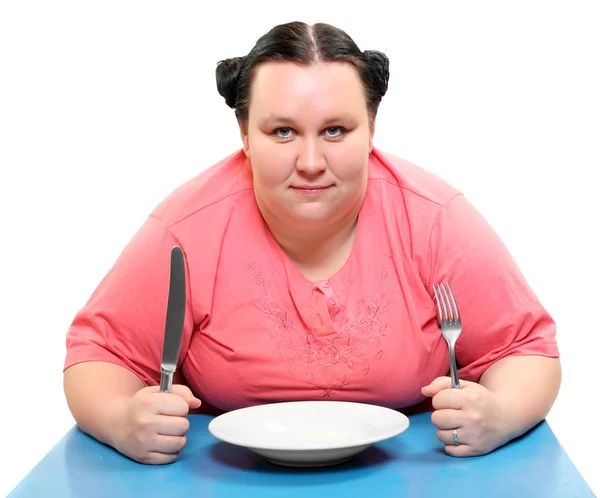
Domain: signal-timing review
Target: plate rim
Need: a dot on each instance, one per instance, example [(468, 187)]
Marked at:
[(404, 424)]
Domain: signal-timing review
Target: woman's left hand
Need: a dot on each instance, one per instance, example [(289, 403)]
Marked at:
[(473, 411)]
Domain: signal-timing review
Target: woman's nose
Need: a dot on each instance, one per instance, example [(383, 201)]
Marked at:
[(311, 159)]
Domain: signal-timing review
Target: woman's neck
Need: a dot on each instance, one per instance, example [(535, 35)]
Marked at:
[(318, 253)]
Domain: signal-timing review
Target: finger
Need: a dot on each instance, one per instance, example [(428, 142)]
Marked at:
[(441, 383), (448, 419), (172, 404), (446, 436), (435, 386), (462, 450), (171, 425), (449, 399), (157, 458), (187, 395), (168, 444)]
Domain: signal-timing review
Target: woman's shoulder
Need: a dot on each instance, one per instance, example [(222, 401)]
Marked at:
[(209, 191), (409, 180)]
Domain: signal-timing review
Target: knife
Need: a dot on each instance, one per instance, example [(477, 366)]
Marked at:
[(174, 321)]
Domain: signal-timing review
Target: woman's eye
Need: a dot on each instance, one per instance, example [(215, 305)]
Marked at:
[(334, 131), (331, 132), (283, 132)]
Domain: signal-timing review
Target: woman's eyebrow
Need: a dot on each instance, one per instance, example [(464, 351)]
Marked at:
[(275, 119)]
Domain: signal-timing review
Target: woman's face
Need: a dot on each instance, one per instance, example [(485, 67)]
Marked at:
[(308, 140)]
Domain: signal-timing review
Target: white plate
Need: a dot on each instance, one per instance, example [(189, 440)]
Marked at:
[(308, 433)]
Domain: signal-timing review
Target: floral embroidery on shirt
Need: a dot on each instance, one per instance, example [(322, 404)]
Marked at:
[(327, 363)]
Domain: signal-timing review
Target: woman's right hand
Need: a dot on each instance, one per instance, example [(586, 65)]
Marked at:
[(154, 424)]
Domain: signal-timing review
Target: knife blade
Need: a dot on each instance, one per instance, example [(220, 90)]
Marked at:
[(174, 320)]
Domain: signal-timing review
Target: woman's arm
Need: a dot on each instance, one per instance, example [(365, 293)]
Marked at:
[(97, 394), (525, 387), (513, 395), (111, 404), (510, 371)]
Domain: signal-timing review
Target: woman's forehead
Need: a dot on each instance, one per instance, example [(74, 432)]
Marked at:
[(317, 75), (287, 88)]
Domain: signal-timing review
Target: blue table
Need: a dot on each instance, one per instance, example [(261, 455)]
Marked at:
[(411, 464)]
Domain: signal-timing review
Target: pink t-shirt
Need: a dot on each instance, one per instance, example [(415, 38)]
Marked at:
[(256, 330)]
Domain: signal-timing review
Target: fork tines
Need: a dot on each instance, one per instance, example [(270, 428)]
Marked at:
[(446, 303)]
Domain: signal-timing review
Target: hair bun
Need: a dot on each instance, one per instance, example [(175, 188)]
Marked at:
[(379, 66), (227, 74)]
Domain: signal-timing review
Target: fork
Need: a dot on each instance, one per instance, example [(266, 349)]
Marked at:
[(450, 323)]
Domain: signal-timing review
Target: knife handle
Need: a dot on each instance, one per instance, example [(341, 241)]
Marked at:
[(166, 380)]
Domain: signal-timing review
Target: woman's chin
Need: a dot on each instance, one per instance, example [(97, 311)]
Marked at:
[(312, 217)]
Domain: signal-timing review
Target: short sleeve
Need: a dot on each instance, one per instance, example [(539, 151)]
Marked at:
[(123, 321), (501, 314)]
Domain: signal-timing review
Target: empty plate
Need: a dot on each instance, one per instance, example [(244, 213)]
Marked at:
[(308, 433)]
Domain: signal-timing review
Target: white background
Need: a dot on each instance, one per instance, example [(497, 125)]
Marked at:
[(105, 107)]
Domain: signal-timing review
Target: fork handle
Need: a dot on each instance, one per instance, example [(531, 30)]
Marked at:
[(453, 369)]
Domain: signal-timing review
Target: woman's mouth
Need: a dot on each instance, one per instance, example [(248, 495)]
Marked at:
[(311, 190)]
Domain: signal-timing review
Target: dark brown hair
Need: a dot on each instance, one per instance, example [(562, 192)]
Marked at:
[(305, 44)]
